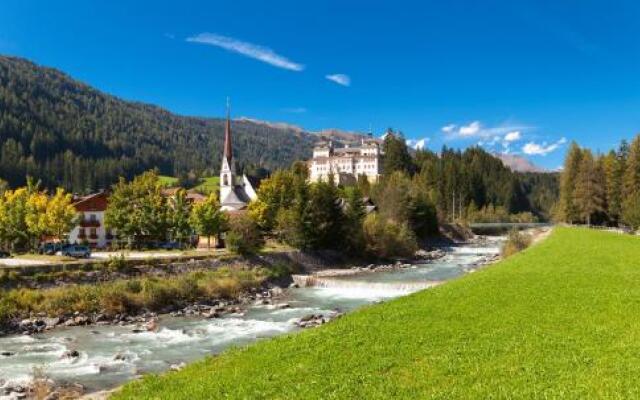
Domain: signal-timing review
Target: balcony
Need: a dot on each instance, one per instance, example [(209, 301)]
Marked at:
[(88, 223)]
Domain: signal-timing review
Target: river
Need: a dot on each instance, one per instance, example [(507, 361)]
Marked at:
[(112, 355)]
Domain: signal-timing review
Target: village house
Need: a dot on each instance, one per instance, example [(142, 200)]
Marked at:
[(91, 228), (347, 163)]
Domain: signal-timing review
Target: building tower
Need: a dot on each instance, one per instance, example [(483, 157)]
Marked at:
[(228, 168)]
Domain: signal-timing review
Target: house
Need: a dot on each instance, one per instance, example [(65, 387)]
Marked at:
[(347, 163), (91, 229), (236, 192), (192, 196)]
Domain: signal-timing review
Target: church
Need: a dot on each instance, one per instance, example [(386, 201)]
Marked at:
[(236, 192)]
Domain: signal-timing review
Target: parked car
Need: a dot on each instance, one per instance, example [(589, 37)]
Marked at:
[(76, 251), (5, 254), (171, 246), (50, 248)]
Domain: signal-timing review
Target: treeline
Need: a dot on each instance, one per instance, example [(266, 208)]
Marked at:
[(415, 194), (68, 134), (473, 184), (601, 189)]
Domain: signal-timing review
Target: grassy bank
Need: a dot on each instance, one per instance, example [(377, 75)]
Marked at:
[(558, 320), (131, 295)]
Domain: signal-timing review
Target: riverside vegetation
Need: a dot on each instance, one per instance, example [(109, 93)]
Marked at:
[(131, 296), (542, 323)]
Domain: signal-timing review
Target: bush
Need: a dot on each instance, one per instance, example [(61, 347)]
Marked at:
[(516, 242), (387, 239), (244, 236)]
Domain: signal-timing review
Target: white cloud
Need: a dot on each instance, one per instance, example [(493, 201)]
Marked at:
[(418, 144), (340, 79), (247, 49), (542, 149), (449, 128), (470, 130), (512, 136)]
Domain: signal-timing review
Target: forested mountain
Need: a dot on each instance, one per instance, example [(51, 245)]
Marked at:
[(68, 134)]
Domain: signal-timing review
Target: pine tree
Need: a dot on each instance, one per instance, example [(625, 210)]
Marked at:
[(613, 167), (631, 186), (568, 211), (589, 191), (631, 179), (396, 154)]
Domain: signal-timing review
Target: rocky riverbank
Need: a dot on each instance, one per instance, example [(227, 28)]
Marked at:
[(39, 322)]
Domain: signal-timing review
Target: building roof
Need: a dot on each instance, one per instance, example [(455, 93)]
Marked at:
[(93, 202), (237, 198)]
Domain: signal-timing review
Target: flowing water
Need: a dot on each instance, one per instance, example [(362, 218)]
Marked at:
[(112, 355)]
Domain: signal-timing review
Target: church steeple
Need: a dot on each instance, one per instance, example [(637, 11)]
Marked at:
[(228, 149), (228, 168)]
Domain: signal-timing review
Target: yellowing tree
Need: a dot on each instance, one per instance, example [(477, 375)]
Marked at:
[(60, 215), (36, 215)]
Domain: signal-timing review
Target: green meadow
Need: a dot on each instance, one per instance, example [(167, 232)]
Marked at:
[(558, 320)]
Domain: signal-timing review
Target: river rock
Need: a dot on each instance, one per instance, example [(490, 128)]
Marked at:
[(71, 354), (51, 322), (177, 367), (7, 353), (282, 306)]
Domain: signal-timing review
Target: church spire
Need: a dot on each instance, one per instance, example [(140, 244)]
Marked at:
[(228, 151)]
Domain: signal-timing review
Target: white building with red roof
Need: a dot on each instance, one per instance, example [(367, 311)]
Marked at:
[(91, 228)]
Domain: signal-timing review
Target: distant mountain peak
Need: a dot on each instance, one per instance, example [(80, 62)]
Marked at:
[(518, 163)]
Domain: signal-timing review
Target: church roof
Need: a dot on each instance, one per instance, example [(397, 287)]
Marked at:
[(236, 197)]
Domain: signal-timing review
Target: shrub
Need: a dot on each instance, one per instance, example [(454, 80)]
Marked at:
[(117, 263), (386, 238), (516, 242), (117, 299), (244, 236)]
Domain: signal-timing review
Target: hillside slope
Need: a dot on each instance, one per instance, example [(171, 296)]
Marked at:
[(558, 320), (67, 133)]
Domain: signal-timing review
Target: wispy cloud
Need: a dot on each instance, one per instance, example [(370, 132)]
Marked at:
[(295, 110), (418, 144), (246, 49), (476, 129), (169, 35), (542, 149), (340, 79)]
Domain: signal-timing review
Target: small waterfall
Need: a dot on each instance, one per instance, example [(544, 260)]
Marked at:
[(329, 283)]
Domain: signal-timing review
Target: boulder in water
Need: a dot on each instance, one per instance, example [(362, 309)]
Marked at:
[(71, 354)]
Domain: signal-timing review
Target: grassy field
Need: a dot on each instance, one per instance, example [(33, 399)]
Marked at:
[(167, 180), (558, 320), (208, 184)]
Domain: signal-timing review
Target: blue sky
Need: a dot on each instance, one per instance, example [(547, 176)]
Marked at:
[(520, 76)]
